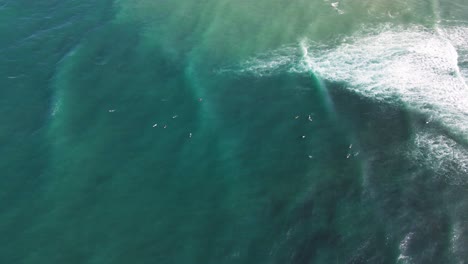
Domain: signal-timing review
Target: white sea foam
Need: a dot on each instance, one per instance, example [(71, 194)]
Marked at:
[(458, 240), (404, 257), (417, 68), (444, 155), (458, 36), (56, 107)]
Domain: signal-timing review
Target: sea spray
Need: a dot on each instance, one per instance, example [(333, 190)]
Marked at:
[(316, 79)]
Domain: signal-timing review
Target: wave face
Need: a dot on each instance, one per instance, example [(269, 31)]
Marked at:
[(416, 68)]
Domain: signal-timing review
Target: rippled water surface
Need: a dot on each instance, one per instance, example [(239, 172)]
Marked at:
[(268, 131)]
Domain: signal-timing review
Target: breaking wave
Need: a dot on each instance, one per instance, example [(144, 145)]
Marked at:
[(421, 69)]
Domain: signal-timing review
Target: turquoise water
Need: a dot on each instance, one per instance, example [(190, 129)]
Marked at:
[(234, 131)]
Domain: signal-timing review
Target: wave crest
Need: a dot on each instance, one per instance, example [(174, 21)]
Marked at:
[(417, 68)]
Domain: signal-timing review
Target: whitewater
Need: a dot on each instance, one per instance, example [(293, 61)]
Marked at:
[(415, 68), (267, 131)]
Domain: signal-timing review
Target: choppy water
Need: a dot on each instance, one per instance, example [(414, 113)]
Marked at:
[(268, 131)]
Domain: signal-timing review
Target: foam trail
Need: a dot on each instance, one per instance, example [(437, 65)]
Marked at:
[(444, 155), (404, 257)]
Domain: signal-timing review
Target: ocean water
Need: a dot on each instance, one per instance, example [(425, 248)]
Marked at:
[(268, 131)]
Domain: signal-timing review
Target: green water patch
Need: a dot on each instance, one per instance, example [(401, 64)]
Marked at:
[(147, 152), (275, 172), (35, 36), (223, 31), (194, 187), (111, 91), (109, 158)]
